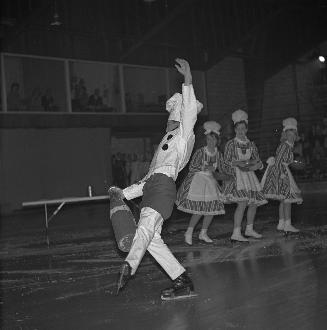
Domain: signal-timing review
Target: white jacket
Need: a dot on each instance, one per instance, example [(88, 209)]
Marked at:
[(175, 149)]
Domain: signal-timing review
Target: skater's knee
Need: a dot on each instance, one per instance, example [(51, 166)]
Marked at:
[(146, 231)]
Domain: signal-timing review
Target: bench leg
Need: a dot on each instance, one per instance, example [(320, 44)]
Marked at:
[(46, 217)]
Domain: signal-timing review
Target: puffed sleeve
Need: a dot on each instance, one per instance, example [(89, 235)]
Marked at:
[(134, 191), (188, 111), (196, 163)]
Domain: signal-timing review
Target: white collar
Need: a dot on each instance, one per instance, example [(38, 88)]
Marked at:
[(241, 141), (209, 153)]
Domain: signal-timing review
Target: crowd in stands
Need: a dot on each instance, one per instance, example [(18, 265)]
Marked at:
[(82, 101), (38, 100), (312, 148)]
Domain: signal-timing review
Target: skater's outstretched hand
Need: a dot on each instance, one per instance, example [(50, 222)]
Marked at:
[(115, 193), (184, 68)]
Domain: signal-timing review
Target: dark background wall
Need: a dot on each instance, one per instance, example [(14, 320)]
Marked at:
[(256, 55), (52, 163)]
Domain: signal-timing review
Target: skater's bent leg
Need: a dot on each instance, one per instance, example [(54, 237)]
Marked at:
[(160, 251), (144, 234)]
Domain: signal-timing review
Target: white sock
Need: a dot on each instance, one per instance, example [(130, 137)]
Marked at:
[(237, 231), (189, 231), (249, 227), (281, 222)]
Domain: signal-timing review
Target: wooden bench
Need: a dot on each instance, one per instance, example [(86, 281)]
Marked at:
[(61, 202)]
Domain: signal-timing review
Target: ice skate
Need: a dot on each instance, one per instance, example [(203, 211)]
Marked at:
[(252, 233), (238, 237), (124, 276), (204, 237), (289, 229), (182, 288)]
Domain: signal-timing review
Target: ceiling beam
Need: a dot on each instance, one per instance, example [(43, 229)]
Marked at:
[(156, 29), (252, 32)]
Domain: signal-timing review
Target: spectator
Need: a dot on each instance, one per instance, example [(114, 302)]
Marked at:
[(33, 103), (83, 99), (47, 101), (14, 100), (95, 100)]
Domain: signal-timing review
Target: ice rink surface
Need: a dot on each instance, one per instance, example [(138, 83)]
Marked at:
[(67, 280)]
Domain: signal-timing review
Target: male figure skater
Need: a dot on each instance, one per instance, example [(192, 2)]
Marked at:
[(159, 191)]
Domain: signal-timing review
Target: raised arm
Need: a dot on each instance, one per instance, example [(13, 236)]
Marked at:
[(134, 191), (189, 103)]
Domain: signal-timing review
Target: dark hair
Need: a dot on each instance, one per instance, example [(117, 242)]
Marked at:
[(283, 134), (216, 136), (241, 122)]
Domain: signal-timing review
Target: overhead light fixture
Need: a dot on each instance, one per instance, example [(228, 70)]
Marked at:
[(56, 20), (321, 59)]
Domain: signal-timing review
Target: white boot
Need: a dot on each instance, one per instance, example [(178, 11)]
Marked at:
[(237, 236), (289, 228), (281, 224), (188, 235), (249, 231), (204, 237)]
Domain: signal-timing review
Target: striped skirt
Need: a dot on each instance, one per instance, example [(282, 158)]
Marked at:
[(244, 188), (200, 194)]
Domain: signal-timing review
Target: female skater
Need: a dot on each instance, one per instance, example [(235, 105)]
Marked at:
[(241, 155), (199, 193), (278, 182)]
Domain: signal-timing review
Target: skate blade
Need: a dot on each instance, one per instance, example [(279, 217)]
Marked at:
[(235, 241), (253, 238), (201, 241), (187, 296), (291, 233), (119, 283)]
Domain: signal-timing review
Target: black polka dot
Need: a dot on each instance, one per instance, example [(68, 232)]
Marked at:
[(169, 136), (165, 146)]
